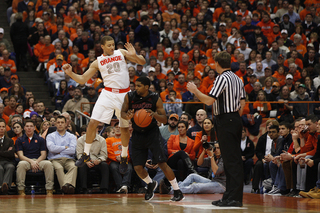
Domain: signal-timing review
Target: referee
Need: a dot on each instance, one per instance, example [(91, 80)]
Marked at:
[(228, 99)]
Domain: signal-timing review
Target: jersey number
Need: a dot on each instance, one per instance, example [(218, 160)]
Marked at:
[(115, 67)]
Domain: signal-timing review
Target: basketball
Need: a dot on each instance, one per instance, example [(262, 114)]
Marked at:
[(142, 118)]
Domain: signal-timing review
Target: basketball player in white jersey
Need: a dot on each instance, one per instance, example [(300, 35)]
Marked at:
[(114, 71)]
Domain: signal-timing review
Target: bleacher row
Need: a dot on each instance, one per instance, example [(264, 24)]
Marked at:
[(274, 48)]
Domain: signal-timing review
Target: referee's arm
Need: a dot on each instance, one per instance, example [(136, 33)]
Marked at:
[(202, 97)]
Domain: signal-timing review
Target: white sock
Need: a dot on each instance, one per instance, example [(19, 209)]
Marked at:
[(174, 184), (147, 179), (87, 147), (124, 152)]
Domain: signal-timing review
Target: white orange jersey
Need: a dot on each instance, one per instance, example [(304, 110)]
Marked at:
[(114, 70)]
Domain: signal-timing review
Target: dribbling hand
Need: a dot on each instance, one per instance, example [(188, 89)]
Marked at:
[(67, 69), (151, 112)]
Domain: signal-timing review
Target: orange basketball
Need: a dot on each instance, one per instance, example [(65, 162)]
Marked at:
[(142, 118)]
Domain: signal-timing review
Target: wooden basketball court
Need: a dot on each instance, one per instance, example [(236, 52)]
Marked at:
[(160, 203)]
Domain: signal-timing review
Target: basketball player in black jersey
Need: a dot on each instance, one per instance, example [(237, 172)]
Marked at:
[(149, 137)]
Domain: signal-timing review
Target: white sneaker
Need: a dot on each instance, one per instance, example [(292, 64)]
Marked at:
[(123, 190), (274, 190)]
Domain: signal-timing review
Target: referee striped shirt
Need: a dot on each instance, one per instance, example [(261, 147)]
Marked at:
[(228, 90)]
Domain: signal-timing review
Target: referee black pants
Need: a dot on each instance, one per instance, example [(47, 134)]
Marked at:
[(229, 128)]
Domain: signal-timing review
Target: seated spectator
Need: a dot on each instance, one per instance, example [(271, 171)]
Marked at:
[(3, 94), (6, 62), (11, 108), (32, 153), (87, 61), (5, 81), (180, 151), (173, 104), (75, 51), (309, 85), (17, 91), (302, 109), (47, 49), (171, 128), (75, 103), (62, 147), (280, 75), (7, 162), (99, 155), (61, 93), (2, 115), (253, 96), (61, 35), (192, 108), (181, 85), (164, 95), (262, 108), (247, 153), (284, 109), (92, 96), (12, 120), (268, 85), (267, 74), (113, 147), (56, 72), (196, 184), (289, 82), (294, 72), (206, 135), (264, 148), (85, 44), (200, 116), (44, 126), (296, 60)]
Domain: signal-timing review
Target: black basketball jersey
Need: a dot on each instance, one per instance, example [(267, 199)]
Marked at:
[(137, 102)]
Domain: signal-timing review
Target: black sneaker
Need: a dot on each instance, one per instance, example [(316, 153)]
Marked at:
[(216, 202), (82, 161), (123, 167), (150, 190), (177, 196), (163, 188)]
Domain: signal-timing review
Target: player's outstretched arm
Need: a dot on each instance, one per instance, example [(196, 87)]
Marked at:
[(130, 54), (125, 112), (81, 79)]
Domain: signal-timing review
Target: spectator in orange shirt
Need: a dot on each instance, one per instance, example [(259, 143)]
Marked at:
[(170, 14), (266, 25), (300, 48), (294, 72), (114, 151), (114, 15), (175, 69), (164, 94), (209, 79), (242, 69), (239, 22), (280, 75), (11, 108), (296, 60), (275, 33), (72, 15), (181, 84), (222, 29), (6, 62), (46, 50), (262, 108), (198, 70), (75, 51), (218, 11), (132, 74), (249, 87), (158, 73), (159, 48)]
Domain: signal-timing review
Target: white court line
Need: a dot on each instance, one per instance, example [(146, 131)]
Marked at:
[(211, 207)]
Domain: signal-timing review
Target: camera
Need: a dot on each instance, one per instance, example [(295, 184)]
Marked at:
[(209, 145)]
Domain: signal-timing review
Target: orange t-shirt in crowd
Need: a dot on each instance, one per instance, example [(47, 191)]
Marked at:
[(190, 53), (238, 25), (207, 82), (37, 48), (114, 149), (180, 88), (240, 74), (301, 49), (68, 19), (54, 28), (114, 19), (248, 88), (164, 94), (183, 67), (272, 37), (134, 79), (85, 63), (298, 62), (303, 38), (161, 76), (266, 28), (8, 111), (45, 52), (281, 78), (260, 108), (10, 63), (296, 76), (155, 54), (220, 34), (5, 118), (217, 13)]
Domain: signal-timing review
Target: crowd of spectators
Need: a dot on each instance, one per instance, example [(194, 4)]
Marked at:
[(275, 51)]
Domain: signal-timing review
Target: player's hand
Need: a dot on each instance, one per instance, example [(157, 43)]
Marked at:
[(67, 69), (130, 49), (191, 87), (130, 114), (151, 112)]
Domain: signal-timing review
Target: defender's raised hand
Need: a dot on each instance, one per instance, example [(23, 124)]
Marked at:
[(130, 49)]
